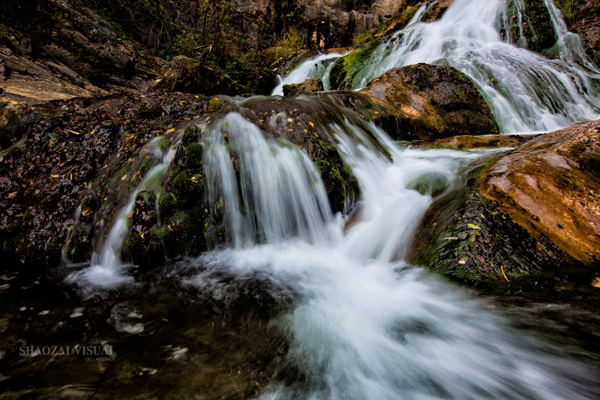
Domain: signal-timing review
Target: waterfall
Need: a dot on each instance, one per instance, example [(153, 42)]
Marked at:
[(368, 325), (280, 190), (315, 67), (526, 91), (107, 270)]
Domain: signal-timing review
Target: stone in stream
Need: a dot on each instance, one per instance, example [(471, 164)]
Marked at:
[(518, 215), (439, 101), (550, 186), (469, 142)]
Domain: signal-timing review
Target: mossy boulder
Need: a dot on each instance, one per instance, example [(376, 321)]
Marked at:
[(171, 221)]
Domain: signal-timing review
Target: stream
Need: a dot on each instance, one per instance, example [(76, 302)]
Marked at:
[(324, 309)]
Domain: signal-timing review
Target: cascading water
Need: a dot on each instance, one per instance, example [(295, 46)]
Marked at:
[(281, 190), (107, 270), (315, 67), (368, 325), (527, 92)]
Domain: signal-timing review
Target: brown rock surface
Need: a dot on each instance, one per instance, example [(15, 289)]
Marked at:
[(440, 101), (466, 142), (551, 186)]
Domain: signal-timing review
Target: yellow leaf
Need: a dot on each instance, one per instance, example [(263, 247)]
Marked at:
[(55, 176), (311, 124), (596, 283), (86, 212), (124, 177), (503, 273), (474, 226)]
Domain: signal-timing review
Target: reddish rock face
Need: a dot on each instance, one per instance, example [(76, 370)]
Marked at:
[(551, 186), (467, 142), (440, 101)]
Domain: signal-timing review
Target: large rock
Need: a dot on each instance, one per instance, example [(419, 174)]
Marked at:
[(440, 101), (469, 238), (550, 186)]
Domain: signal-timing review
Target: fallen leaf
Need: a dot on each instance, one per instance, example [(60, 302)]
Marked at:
[(503, 273), (596, 283), (86, 212), (311, 124), (474, 227)]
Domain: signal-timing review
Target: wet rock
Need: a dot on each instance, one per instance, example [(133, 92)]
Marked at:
[(549, 186), (308, 86), (439, 101), (346, 68), (471, 239), (583, 18), (79, 154), (534, 30), (468, 142)]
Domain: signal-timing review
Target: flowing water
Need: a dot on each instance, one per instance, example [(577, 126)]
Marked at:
[(315, 67), (528, 92), (107, 270), (367, 325)]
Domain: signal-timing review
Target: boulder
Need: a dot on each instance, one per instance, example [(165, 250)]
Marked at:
[(439, 101), (550, 186), (308, 86), (471, 239)]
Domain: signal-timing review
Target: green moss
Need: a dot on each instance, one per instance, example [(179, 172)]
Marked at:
[(166, 204), (346, 68), (190, 135), (193, 156)]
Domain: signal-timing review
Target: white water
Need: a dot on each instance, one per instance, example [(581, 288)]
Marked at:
[(281, 192), (526, 91), (317, 67), (107, 270), (368, 325)]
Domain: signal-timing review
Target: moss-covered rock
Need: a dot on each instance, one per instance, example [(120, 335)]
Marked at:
[(345, 71)]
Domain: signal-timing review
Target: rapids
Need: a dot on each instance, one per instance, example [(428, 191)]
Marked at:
[(367, 324)]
